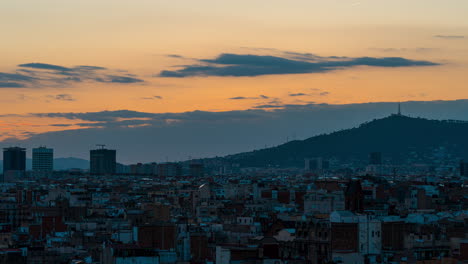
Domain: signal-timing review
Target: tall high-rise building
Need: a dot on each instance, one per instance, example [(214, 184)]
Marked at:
[(43, 159), (14, 159), (103, 161)]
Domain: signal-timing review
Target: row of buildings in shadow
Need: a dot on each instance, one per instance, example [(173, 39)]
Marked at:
[(102, 161)]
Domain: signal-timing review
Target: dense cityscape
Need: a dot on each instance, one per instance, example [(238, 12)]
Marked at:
[(207, 211), (233, 132)]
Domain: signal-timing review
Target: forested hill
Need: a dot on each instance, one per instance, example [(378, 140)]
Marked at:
[(395, 136)]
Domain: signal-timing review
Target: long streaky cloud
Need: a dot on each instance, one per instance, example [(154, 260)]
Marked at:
[(249, 65), (449, 36), (36, 75), (44, 66)]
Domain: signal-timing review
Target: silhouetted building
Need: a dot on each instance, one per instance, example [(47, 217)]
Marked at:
[(14, 159), (169, 169), (316, 164), (103, 161), (375, 158), (143, 169), (354, 197), (160, 236), (197, 170), (345, 237), (393, 235), (463, 168), (43, 159)]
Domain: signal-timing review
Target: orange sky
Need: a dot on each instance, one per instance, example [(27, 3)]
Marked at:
[(135, 37)]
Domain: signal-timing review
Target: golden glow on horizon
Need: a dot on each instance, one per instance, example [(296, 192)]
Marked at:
[(136, 35)]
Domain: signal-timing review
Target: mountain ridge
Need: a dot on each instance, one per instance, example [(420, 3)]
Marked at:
[(395, 136)]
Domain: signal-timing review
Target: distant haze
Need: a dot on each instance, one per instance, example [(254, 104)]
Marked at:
[(161, 137)]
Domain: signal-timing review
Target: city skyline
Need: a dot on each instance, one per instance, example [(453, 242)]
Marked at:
[(234, 131)]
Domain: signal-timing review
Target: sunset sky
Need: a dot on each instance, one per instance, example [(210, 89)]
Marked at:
[(160, 56)]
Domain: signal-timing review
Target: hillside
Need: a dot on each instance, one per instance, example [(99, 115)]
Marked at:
[(395, 136)]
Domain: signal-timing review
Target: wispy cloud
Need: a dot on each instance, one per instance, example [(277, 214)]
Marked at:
[(177, 56), (249, 98), (297, 94), (118, 79), (62, 97), (11, 85), (417, 49), (61, 125), (449, 36), (44, 66), (314, 92), (38, 75), (154, 97)]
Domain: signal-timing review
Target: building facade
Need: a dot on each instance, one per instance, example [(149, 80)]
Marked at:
[(14, 159), (103, 161), (43, 159)]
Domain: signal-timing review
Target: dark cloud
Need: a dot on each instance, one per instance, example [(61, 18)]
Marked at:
[(324, 93), (275, 103), (11, 85), (241, 65), (152, 97), (98, 116), (449, 36), (117, 117), (27, 133), (175, 56), (298, 94), (249, 98), (121, 79), (239, 98), (119, 123), (15, 77), (89, 68), (44, 66), (64, 97), (60, 125), (267, 106), (36, 75)]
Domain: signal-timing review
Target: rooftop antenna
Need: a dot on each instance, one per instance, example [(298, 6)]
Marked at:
[(100, 146)]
